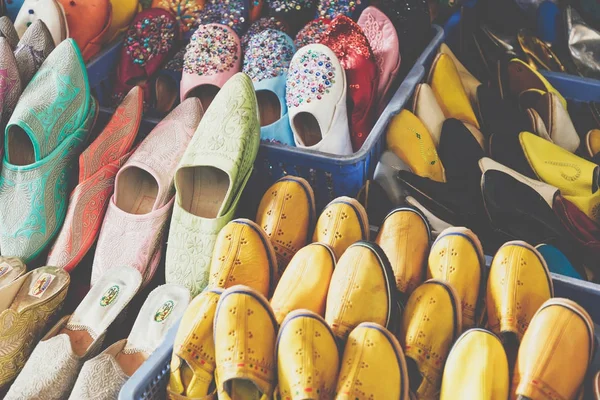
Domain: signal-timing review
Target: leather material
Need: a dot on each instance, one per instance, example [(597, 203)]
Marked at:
[(561, 330), (583, 42), (499, 117), (431, 322), (538, 53), (557, 262), (8, 31), (372, 355), (12, 8), (457, 258), (11, 269), (592, 141), (12, 86), (123, 12), (522, 77), (519, 283), (558, 126), (487, 374), (243, 255), (427, 109), (305, 282), (375, 201), (460, 152), (343, 222), (410, 140), (245, 332), (88, 22), (193, 362), (32, 50), (50, 12), (470, 83), (307, 357), (405, 236), (355, 292), (437, 225), (507, 150), (287, 215)]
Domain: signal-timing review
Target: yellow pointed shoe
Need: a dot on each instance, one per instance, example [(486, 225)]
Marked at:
[(457, 257), (405, 236), (430, 323), (411, 141), (287, 215), (243, 255), (373, 366), (592, 142), (245, 333), (446, 83), (342, 222), (470, 83), (307, 358), (519, 283), (193, 361), (305, 282), (555, 353), (362, 289), (521, 77), (476, 368)]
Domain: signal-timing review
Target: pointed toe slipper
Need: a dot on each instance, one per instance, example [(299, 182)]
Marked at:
[(10, 86), (51, 12), (88, 24), (8, 31), (32, 50)]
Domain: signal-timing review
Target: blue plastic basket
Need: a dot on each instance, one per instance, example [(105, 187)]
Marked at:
[(329, 175)]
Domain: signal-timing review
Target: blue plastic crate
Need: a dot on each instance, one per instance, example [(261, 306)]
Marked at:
[(330, 176)]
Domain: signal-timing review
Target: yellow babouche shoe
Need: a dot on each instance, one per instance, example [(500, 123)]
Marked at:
[(445, 81), (245, 331), (287, 215), (405, 236), (305, 282), (457, 257), (362, 289), (522, 77), (373, 366), (476, 368), (430, 323), (342, 222), (555, 353), (193, 361), (519, 283), (470, 83), (243, 255), (307, 358), (408, 137)]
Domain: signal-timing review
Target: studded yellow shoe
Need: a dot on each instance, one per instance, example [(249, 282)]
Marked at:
[(445, 81), (457, 257), (287, 215), (430, 323), (476, 368), (305, 282), (373, 366), (519, 283), (343, 222), (245, 331), (307, 358), (404, 236), (362, 289), (193, 361), (555, 353), (243, 255), (412, 142)]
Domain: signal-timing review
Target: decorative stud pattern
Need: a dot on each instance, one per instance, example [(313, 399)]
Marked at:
[(213, 49), (149, 37), (268, 55), (310, 77), (313, 32), (333, 8)]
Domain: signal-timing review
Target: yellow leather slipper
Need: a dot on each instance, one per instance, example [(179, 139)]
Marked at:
[(445, 81), (521, 77), (342, 222), (287, 215), (555, 353), (457, 257), (243, 255), (245, 332), (405, 236), (373, 366), (476, 368), (411, 141), (470, 83), (430, 323), (305, 282), (362, 289), (307, 358), (193, 362)]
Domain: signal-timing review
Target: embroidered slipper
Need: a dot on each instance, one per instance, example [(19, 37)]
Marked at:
[(133, 230), (102, 377), (29, 303), (50, 12), (57, 359), (11, 87), (11, 269), (313, 32), (98, 166), (32, 50), (8, 31), (88, 23)]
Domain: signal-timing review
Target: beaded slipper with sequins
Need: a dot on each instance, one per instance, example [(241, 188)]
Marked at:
[(32, 50), (134, 227), (262, 25), (51, 12), (311, 33), (8, 31), (266, 62), (294, 12), (98, 166), (349, 8), (234, 14), (102, 377)]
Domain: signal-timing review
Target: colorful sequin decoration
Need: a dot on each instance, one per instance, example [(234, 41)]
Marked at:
[(268, 56), (232, 13), (212, 49), (148, 37), (332, 8), (310, 77), (185, 12), (285, 6), (313, 32), (262, 25), (176, 63)]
